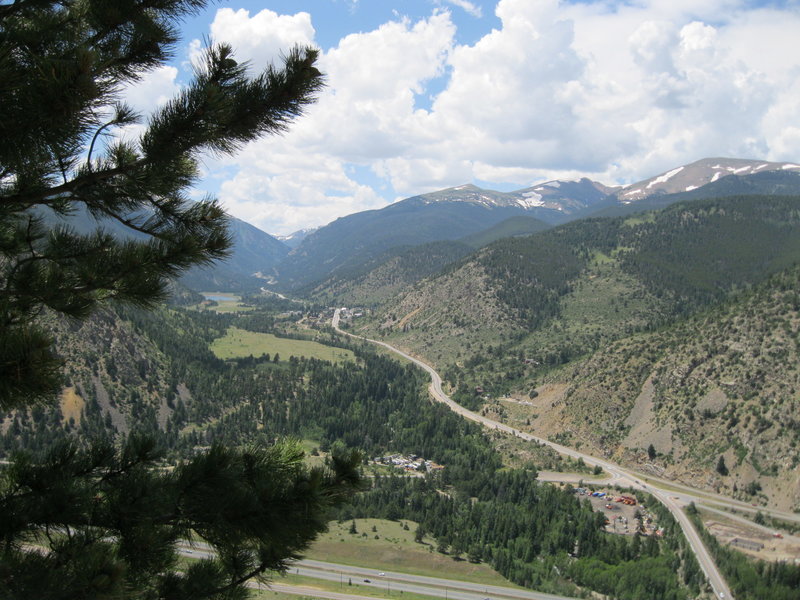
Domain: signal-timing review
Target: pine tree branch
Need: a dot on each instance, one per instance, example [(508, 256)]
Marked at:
[(132, 225), (94, 140), (9, 290), (237, 582), (48, 536), (46, 196)]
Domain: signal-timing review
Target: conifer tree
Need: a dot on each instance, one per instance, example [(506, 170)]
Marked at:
[(722, 468), (62, 68), (95, 520)]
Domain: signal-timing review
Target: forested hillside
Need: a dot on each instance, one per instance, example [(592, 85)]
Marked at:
[(387, 275), (716, 395), (396, 270), (358, 239), (540, 536), (160, 376), (524, 316)]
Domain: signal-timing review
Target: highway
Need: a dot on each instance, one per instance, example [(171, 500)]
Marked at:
[(391, 581), (619, 475), (418, 584)]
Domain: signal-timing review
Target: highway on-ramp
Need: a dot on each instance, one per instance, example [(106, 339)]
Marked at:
[(619, 475)]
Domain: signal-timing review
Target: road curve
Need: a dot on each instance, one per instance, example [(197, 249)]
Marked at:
[(619, 475)]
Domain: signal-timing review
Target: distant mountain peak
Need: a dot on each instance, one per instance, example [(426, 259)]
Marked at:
[(468, 193), (557, 196), (697, 174), (565, 196), (294, 239)]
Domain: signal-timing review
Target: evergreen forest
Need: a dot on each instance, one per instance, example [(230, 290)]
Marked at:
[(535, 534)]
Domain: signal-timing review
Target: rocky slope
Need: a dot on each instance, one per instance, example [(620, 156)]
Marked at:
[(115, 380), (596, 323), (723, 385)]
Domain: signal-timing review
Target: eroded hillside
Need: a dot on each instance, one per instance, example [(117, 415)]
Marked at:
[(660, 329), (717, 396)]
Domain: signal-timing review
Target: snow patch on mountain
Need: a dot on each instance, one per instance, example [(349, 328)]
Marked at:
[(295, 234), (665, 177), (736, 171), (531, 200)]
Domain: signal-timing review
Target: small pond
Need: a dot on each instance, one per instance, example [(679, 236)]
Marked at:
[(220, 298)]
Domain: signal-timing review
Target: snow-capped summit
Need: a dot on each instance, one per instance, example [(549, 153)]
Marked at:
[(294, 239), (697, 174)]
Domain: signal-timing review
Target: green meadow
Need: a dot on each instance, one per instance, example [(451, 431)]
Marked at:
[(239, 343), (387, 546)]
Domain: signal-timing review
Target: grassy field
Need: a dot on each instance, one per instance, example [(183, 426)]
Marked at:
[(390, 547), (226, 302), (238, 343), (349, 586)]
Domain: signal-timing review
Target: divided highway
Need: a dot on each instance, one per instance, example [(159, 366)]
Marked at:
[(392, 581), (619, 475)]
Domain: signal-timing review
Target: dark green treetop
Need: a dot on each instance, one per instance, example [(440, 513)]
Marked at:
[(102, 522)]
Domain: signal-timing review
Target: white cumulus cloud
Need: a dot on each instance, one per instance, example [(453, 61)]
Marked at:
[(263, 37), (614, 91), (366, 113), (470, 7)]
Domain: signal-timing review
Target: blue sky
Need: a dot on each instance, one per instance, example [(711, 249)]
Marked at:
[(428, 94), (334, 19)]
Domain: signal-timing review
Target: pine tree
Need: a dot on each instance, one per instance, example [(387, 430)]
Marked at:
[(62, 66), (98, 522), (419, 533), (92, 519)]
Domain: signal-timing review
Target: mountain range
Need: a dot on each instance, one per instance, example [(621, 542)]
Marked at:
[(309, 261), (303, 261), (349, 246)]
